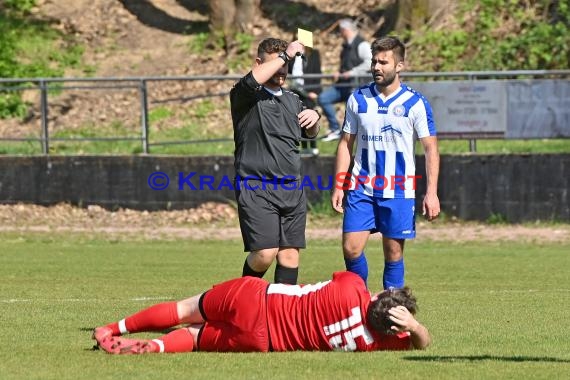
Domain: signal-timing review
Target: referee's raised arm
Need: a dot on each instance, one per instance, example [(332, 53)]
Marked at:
[(266, 66)]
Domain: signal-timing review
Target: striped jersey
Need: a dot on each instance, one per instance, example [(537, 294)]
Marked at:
[(385, 129)]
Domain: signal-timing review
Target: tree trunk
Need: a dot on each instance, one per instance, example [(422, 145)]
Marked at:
[(413, 14), (246, 13), (222, 16), (228, 17)]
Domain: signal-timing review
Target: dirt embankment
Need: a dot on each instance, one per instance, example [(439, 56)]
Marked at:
[(219, 221), (125, 38)]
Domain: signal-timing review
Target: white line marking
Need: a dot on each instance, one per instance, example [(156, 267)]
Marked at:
[(499, 291), (136, 299), (164, 298)]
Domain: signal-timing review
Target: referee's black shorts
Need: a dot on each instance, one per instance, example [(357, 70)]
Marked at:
[(271, 215)]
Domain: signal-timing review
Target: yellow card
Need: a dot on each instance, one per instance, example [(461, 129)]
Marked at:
[(305, 37)]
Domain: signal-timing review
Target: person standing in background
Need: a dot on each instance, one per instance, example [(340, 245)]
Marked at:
[(355, 59)]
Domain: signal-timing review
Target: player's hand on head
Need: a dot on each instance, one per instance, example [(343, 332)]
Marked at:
[(403, 319)]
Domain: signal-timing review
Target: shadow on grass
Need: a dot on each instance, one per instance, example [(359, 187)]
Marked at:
[(151, 15), (474, 358)]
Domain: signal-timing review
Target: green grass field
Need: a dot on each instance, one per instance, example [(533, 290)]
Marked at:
[(495, 309)]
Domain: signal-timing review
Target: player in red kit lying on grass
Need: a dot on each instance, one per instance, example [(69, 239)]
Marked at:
[(249, 314)]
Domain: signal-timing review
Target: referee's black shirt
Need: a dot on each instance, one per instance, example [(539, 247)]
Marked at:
[(266, 131)]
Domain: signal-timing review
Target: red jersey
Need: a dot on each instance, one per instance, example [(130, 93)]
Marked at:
[(329, 315)]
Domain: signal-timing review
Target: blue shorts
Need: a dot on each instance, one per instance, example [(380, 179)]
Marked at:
[(392, 217)]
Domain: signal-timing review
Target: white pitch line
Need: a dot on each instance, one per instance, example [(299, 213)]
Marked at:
[(164, 298), (501, 291), (136, 299)]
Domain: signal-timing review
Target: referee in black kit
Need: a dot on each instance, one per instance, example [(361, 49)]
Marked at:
[(269, 123)]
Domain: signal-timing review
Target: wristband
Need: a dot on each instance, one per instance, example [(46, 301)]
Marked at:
[(283, 55)]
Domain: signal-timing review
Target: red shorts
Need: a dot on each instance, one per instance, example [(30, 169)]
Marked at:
[(236, 317)]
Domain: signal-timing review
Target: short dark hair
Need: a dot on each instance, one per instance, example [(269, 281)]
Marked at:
[(377, 316), (271, 45), (390, 43)]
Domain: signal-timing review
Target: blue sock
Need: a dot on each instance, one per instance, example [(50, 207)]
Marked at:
[(393, 274), (359, 266)]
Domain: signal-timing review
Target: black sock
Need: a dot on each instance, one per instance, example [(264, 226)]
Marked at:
[(247, 271), (284, 275)]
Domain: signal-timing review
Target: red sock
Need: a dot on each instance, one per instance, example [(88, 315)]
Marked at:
[(154, 318), (115, 327), (180, 340)]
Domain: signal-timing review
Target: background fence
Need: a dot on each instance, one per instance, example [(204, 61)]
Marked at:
[(480, 106)]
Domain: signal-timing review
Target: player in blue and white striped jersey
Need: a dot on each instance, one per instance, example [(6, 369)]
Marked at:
[(384, 118)]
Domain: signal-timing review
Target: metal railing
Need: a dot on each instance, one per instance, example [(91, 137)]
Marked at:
[(45, 85)]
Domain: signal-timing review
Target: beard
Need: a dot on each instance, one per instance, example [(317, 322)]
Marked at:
[(277, 80), (384, 80)]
